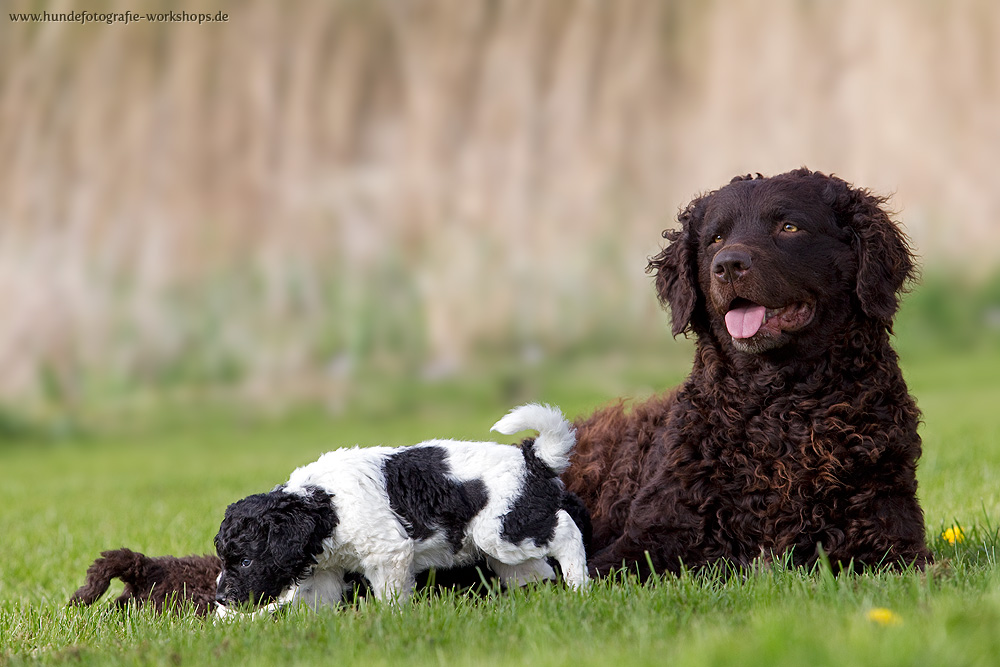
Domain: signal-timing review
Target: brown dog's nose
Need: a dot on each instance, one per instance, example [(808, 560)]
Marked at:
[(730, 264)]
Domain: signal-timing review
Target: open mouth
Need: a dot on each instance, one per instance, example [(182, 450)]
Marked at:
[(746, 319)]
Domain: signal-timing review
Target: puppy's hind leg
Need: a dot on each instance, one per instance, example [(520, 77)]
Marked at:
[(567, 547), (115, 564), (98, 582)]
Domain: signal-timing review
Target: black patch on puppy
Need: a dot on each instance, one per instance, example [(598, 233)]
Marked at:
[(533, 514), (426, 499), (269, 541)]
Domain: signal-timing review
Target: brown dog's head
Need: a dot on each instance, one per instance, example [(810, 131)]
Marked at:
[(764, 264)]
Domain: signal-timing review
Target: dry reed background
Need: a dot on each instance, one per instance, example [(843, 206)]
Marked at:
[(313, 186)]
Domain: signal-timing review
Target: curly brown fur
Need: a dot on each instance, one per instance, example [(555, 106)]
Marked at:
[(801, 433), (165, 581)]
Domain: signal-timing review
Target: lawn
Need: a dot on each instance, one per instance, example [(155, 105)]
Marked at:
[(160, 481)]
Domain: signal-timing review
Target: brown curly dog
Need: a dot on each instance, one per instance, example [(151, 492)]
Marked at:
[(795, 429)]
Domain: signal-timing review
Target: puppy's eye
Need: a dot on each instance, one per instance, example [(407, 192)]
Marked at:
[(245, 562), (789, 227), (717, 238)]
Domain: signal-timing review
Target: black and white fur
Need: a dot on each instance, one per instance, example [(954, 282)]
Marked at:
[(389, 513)]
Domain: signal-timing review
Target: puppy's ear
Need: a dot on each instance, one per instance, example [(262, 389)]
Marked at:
[(885, 262), (676, 268), (298, 528)]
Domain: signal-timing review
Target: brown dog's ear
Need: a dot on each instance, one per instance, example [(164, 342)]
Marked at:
[(885, 262), (676, 273)]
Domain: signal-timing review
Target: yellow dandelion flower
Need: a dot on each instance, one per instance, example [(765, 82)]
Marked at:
[(884, 617), (954, 535)]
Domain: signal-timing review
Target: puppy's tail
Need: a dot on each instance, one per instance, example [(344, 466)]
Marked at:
[(117, 564), (556, 436)]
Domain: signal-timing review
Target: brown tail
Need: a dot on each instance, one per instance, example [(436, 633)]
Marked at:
[(122, 564)]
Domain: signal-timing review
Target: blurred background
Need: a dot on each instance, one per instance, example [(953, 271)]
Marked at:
[(315, 193)]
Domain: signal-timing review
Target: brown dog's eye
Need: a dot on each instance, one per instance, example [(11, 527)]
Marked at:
[(717, 238), (789, 227)]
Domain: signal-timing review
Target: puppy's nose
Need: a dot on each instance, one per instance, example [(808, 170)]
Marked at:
[(220, 598), (730, 264)]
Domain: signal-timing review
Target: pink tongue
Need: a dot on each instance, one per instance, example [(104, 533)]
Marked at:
[(745, 322)]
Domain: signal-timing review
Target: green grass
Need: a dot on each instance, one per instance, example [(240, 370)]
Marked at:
[(160, 482)]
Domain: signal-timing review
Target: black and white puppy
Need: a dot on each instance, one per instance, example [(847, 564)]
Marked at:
[(389, 513)]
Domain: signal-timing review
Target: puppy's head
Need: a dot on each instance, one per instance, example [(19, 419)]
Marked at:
[(268, 542), (766, 264)]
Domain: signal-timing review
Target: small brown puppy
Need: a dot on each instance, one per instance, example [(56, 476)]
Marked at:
[(165, 581)]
